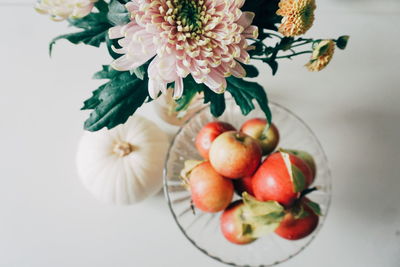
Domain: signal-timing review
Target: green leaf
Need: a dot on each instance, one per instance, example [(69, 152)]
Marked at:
[(245, 92), (342, 41), (258, 49), (94, 101), (323, 49), (273, 65), (314, 207), (190, 90), (260, 218), (286, 43), (90, 21), (247, 229), (259, 229), (299, 212), (94, 29), (296, 175), (299, 180), (115, 101), (118, 14), (304, 156), (217, 102), (251, 71), (106, 73), (93, 37), (141, 71), (189, 166), (101, 6), (267, 219), (259, 208), (265, 13)]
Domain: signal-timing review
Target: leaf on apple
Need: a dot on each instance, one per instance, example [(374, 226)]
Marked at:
[(260, 218), (314, 207), (299, 212), (187, 169), (296, 175), (298, 178), (305, 156), (246, 229), (258, 208), (257, 230)]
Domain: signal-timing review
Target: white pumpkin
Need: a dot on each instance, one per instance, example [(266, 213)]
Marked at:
[(123, 165)]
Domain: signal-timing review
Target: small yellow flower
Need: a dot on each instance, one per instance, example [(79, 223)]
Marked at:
[(298, 16), (321, 56)]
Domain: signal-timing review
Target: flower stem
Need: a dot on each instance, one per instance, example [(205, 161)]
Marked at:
[(294, 54), (305, 42), (273, 34)]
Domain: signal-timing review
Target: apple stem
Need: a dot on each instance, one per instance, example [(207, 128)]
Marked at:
[(308, 191), (239, 137)]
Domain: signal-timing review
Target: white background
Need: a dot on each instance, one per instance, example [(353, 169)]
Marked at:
[(48, 219)]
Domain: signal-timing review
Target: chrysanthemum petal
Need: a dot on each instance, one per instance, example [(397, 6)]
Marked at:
[(178, 89), (246, 19)]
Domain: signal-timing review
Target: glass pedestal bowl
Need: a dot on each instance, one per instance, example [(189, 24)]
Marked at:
[(203, 229)]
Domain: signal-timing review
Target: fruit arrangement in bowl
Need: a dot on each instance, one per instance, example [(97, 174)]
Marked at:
[(241, 198)]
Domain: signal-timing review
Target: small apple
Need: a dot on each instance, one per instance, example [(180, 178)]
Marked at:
[(211, 192), (307, 158), (232, 224), (281, 177), (235, 154), (208, 133), (244, 184), (256, 128), (293, 228)]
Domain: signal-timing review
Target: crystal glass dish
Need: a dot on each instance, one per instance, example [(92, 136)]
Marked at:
[(203, 229)]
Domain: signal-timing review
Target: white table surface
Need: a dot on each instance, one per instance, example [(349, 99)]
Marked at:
[(48, 219)]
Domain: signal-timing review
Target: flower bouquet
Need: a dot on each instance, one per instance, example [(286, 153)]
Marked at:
[(190, 46)]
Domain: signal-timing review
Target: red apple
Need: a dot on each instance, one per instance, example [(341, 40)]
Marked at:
[(211, 192), (307, 159), (273, 181), (207, 135), (235, 154), (244, 184), (293, 228), (231, 224), (256, 128)]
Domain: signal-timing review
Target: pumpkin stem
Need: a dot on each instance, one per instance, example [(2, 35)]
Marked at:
[(122, 149)]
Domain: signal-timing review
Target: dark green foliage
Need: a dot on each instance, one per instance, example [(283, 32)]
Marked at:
[(113, 102), (265, 11), (94, 30), (342, 41), (244, 92)]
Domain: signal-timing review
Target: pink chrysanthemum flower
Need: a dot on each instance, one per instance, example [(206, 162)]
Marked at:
[(204, 38), (62, 9)]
